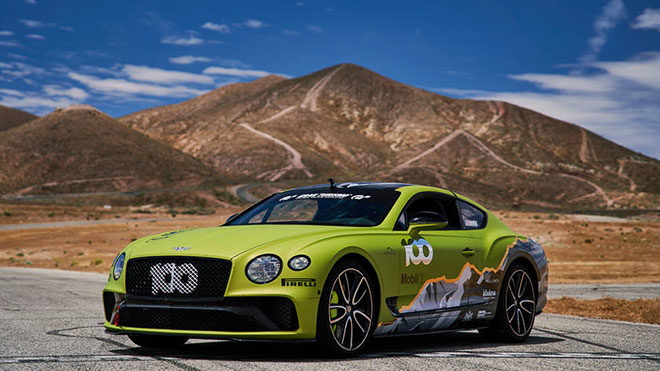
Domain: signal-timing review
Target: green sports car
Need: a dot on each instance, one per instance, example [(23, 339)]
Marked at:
[(334, 263)]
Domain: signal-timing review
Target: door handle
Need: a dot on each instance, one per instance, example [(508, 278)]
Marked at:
[(467, 252)]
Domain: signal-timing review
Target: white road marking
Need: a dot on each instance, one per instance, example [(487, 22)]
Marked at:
[(465, 354)]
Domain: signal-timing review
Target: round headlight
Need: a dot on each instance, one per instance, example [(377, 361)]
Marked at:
[(298, 263), (119, 266), (263, 269)]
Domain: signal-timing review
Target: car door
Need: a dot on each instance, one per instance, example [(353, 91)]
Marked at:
[(433, 271), (485, 283)]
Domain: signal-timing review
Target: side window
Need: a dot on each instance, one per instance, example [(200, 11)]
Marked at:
[(437, 204), (471, 217)]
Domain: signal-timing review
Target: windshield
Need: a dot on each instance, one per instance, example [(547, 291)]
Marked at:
[(351, 207)]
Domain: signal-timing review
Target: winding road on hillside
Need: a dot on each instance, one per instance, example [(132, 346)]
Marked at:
[(52, 319)]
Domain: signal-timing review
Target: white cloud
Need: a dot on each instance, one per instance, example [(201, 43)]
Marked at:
[(58, 91), (188, 59), (254, 23), (650, 19), (314, 28), (6, 33), (222, 28), (16, 56), (12, 92), (125, 87), (291, 33), (237, 72), (52, 96), (31, 2), (568, 82), (9, 43), (36, 37), (612, 13), (20, 70), (35, 102), (182, 40), (644, 70), (32, 23), (160, 76), (619, 101), (5, 65)]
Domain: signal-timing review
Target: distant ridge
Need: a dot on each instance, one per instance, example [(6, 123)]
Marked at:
[(11, 117), (81, 149)]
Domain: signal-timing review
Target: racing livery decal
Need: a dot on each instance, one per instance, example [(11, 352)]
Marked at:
[(473, 290)]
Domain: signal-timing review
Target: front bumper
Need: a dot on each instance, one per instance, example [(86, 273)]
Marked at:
[(263, 317)]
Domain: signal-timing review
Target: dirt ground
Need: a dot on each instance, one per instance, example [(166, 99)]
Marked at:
[(641, 310), (580, 250), (593, 249)]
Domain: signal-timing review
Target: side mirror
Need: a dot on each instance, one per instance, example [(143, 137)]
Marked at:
[(426, 221)]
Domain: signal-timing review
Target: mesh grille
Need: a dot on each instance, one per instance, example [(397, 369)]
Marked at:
[(235, 315), (177, 277), (108, 304)]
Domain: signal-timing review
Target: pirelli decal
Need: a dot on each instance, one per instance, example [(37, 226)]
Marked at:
[(299, 282)]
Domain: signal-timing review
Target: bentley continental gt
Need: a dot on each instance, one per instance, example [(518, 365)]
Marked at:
[(337, 264)]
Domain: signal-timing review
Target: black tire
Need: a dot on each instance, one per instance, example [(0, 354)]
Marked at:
[(348, 288), (516, 307), (157, 341)]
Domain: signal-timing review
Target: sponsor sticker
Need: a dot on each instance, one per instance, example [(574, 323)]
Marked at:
[(299, 282), (488, 293), (319, 196), (484, 313), (170, 277), (471, 223), (418, 251), (412, 279)]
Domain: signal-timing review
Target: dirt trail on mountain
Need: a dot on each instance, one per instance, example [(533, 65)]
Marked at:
[(278, 115), (295, 162), (309, 101), (598, 191)]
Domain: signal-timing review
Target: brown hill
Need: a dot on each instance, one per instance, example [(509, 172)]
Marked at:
[(11, 117), (352, 123), (80, 149)]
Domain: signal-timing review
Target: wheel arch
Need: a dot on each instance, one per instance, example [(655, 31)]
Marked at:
[(528, 263), (367, 264)]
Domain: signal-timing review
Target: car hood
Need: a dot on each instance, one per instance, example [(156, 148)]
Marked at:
[(229, 241)]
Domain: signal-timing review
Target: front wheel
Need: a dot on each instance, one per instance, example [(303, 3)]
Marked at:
[(346, 316), (516, 307), (157, 341)]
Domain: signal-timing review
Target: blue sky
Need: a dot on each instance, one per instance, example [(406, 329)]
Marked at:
[(594, 63)]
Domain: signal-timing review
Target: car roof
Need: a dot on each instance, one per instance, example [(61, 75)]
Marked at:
[(402, 187), (361, 185)]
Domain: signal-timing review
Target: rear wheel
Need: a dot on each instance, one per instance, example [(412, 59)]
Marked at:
[(157, 341), (516, 307), (346, 316)]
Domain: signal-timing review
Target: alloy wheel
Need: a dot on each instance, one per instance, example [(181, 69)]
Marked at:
[(350, 309), (520, 302)]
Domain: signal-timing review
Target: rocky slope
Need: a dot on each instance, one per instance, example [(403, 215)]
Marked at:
[(80, 149), (352, 123)]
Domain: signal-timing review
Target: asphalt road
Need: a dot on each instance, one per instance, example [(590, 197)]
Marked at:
[(52, 319)]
